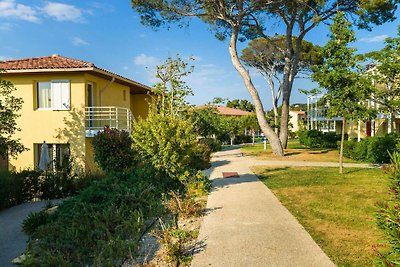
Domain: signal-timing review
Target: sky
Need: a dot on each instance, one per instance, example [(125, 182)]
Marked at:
[(109, 34)]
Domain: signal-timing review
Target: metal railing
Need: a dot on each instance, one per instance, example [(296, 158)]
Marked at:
[(96, 118)]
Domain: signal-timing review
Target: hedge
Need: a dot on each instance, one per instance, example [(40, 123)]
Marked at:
[(375, 149)]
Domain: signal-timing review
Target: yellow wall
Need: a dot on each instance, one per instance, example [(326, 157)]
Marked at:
[(140, 105), (109, 93), (46, 125), (65, 126)]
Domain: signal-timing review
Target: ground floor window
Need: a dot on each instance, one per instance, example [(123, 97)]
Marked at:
[(59, 155)]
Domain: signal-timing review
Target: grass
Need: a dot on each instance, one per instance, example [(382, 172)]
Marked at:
[(337, 210), (295, 152)]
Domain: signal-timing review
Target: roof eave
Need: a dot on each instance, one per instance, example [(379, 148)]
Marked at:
[(92, 69)]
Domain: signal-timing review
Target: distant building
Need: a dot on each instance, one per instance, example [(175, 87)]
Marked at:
[(297, 120), (229, 112)]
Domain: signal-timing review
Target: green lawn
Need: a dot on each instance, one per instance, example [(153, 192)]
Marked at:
[(338, 211), (294, 152)]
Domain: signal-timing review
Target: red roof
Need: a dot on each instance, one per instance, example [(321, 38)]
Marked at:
[(49, 62), (58, 63), (225, 111)]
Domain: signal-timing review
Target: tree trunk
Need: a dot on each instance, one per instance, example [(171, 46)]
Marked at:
[(275, 99), (341, 146), (273, 138), (254, 137)]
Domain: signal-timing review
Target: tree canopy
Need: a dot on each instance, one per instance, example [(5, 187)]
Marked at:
[(347, 88), (385, 73), (9, 107), (241, 20), (242, 104)]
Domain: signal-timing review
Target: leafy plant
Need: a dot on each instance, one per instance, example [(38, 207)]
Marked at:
[(388, 216), (169, 144), (112, 150), (34, 221)]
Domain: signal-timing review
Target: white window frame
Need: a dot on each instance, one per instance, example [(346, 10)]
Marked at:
[(51, 95)]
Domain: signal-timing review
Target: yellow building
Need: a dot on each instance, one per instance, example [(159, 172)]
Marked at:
[(66, 102)]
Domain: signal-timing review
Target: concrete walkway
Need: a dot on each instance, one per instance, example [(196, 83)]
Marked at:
[(12, 239), (246, 225)]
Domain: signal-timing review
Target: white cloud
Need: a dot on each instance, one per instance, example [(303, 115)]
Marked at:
[(63, 12), (103, 6), (6, 26), (76, 41), (11, 9), (146, 61), (374, 39)]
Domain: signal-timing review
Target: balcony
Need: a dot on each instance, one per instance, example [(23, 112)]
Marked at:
[(96, 118)]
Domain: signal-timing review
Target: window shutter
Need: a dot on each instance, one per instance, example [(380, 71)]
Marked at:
[(65, 95), (60, 95), (56, 95)]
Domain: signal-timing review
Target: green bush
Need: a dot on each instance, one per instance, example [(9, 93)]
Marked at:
[(375, 149), (99, 227), (28, 185), (169, 144), (318, 139), (214, 144), (380, 148), (112, 150), (18, 187), (243, 139), (388, 217), (34, 221)]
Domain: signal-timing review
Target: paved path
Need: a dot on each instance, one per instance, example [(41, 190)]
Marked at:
[(246, 225), (12, 239)]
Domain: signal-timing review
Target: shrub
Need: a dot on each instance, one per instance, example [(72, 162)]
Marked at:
[(318, 139), (380, 148), (169, 145), (356, 150), (99, 227), (34, 220), (18, 187), (388, 216), (112, 150), (214, 144), (243, 139)]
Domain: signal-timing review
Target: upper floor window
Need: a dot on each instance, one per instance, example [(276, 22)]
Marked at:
[(53, 95)]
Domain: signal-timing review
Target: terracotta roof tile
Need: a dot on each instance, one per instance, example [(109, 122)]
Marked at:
[(49, 62), (56, 62)]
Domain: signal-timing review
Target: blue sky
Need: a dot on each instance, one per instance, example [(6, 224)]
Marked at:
[(109, 34)]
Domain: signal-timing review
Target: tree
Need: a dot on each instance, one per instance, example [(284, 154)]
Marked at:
[(242, 104), (346, 88), (268, 58), (206, 121), (250, 122), (385, 74), (239, 20), (231, 126), (9, 107), (171, 91)]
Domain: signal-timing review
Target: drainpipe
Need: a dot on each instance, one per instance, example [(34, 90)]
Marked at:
[(105, 88)]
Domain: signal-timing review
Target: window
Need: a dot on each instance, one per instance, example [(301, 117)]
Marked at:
[(58, 155), (53, 95)]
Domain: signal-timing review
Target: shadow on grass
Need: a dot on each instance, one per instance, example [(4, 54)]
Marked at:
[(264, 175), (321, 151), (292, 153)]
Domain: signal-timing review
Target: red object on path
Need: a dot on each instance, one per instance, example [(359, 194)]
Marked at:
[(230, 175)]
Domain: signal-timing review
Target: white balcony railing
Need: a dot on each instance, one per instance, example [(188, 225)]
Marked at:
[(96, 118)]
